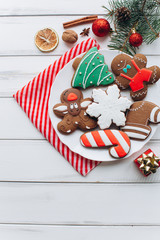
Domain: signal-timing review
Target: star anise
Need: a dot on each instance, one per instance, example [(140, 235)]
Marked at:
[(85, 32)]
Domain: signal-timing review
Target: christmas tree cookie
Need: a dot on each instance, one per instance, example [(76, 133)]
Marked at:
[(90, 70)]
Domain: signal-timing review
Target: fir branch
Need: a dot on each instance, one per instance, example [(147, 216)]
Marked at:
[(145, 17)]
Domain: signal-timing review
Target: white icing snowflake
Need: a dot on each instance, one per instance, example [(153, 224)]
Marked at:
[(108, 107)]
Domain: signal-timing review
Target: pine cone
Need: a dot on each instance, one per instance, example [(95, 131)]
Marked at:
[(123, 14)]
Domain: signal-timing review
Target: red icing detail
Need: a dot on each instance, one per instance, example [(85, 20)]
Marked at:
[(85, 141), (110, 77), (106, 71), (85, 62), (98, 138), (97, 57), (72, 97), (125, 136), (138, 165), (142, 75), (119, 150)]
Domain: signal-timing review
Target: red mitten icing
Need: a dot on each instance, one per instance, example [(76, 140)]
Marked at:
[(108, 138)]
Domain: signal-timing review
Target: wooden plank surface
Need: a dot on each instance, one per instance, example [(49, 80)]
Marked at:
[(42, 232), (79, 204), (39, 189), (38, 161), (26, 27), (51, 7)]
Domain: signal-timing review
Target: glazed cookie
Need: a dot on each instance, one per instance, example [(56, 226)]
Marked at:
[(132, 73), (90, 70), (73, 111), (108, 106), (108, 138), (138, 118)]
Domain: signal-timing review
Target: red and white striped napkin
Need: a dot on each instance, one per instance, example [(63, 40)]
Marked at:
[(34, 97)]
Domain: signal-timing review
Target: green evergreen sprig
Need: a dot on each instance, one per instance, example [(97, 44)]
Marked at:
[(145, 19)]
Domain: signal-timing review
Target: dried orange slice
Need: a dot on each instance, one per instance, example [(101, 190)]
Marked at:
[(46, 39)]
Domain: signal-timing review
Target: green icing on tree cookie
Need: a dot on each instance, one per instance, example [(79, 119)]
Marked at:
[(92, 71)]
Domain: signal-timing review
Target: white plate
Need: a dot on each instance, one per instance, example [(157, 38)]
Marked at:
[(62, 82)]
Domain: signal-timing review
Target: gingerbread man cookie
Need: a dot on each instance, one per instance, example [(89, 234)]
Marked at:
[(138, 118), (132, 73), (73, 111), (90, 70)]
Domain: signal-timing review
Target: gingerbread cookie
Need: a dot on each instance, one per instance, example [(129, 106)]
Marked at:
[(108, 106), (90, 70), (108, 138), (73, 111), (132, 73), (138, 118)]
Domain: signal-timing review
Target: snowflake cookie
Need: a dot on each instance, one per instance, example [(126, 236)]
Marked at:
[(108, 107)]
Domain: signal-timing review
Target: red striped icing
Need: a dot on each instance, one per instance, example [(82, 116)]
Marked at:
[(85, 141), (118, 146), (119, 150), (98, 139)]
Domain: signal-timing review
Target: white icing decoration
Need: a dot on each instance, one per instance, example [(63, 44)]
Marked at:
[(76, 105), (108, 107), (123, 66), (80, 65), (104, 78), (136, 109), (85, 103), (153, 114), (71, 106), (61, 108), (84, 84), (76, 122), (127, 127), (68, 131), (136, 135), (88, 127)]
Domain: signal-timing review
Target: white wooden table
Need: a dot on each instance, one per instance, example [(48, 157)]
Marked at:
[(41, 196)]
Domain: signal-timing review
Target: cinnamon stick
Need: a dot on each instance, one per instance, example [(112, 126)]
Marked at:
[(79, 21)]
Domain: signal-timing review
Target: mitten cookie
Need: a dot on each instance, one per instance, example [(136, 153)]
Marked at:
[(108, 107), (132, 73), (108, 138), (90, 70), (73, 111), (138, 118)]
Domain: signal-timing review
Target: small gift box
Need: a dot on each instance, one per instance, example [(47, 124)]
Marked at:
[(147, 163)]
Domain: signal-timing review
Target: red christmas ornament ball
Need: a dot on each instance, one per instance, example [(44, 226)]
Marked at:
[(135, 39), (101, 27)]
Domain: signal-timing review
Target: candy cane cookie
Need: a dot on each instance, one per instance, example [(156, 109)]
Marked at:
[(118, 141)]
